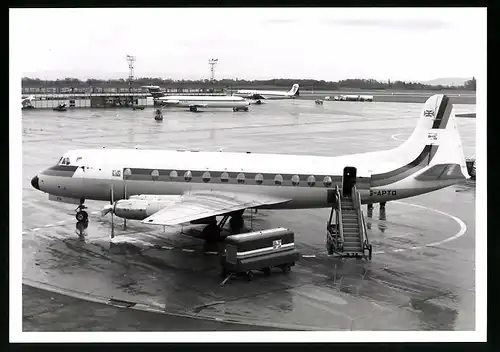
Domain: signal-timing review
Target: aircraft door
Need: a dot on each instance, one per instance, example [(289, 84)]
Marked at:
[(348, 180)]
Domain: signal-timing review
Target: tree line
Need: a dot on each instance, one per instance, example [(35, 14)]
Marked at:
[(369, 84)]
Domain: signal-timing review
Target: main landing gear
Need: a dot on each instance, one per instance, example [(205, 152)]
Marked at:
[(82, 219), (238, 109), (212, 232)]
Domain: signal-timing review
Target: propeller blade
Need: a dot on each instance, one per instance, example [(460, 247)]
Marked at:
[(112, 213)]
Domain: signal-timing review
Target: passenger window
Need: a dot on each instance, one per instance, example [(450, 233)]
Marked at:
[(278, 180), (311, 181), (240, 178), (259, 179), (206, 176), (224, 177), (327, 181), (155, 175)]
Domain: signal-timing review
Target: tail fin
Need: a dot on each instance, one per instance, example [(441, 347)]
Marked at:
[(436, 135), (294, 92)]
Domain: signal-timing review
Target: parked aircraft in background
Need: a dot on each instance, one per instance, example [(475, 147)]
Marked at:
[(258, 95)]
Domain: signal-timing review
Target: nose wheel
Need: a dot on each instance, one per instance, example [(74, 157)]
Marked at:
[(81, 215)]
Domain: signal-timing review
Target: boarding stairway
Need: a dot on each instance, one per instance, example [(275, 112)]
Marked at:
[(346, 228)]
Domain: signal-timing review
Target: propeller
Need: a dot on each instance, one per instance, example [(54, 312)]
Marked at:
[(125, 197), (112, 213)]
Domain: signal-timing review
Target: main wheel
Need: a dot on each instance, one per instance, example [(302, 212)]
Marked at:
[(82, 216), (236, 223), (211, 233), (286, 268), (245, 109)]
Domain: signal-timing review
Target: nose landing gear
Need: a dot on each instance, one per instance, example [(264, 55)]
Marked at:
[(82, 219), (81, 214)]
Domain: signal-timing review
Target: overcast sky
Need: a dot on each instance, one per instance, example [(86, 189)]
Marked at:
[(250, 43)]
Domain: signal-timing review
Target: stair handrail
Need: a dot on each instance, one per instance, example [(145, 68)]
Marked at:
[(359, 212), (339, 224)]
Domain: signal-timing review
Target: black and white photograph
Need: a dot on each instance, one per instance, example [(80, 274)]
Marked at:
[(247, 174)]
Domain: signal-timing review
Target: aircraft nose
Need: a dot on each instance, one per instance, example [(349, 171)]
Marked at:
[(34, 182)]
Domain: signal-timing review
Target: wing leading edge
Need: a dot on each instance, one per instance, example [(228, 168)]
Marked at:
[(203, 204)]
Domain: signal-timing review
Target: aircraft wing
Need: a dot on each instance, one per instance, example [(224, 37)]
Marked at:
[(203, 204), (169, 101)]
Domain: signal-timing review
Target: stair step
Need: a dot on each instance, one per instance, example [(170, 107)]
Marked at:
[(354, 250)]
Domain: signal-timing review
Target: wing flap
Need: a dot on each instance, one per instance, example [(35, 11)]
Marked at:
[(203, 204)]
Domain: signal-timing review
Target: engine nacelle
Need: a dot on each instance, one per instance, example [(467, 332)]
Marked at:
[(140, 207)]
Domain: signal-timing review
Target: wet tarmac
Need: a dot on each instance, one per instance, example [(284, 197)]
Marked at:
[(421, 276)]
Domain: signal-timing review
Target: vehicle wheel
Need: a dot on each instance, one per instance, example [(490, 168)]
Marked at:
[(249, 275), (286, 269), (82, 216)]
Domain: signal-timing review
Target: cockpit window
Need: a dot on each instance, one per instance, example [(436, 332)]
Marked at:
[(64, 161)]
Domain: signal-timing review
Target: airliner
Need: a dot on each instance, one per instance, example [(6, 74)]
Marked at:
[(171, 187), (194, 102), (259, 95)]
